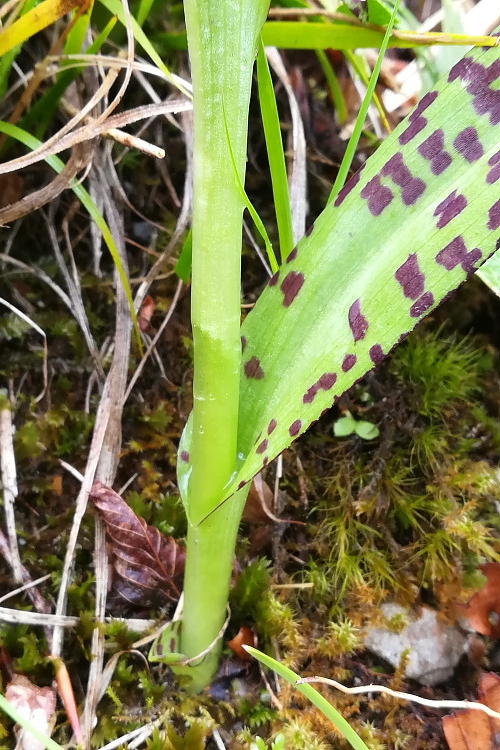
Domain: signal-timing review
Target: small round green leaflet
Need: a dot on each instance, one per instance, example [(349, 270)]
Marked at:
[(316, 698)]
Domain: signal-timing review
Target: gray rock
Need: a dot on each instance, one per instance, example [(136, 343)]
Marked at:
[(435, 648)]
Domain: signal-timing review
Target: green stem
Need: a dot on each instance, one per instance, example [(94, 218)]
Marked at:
[(222, 42)]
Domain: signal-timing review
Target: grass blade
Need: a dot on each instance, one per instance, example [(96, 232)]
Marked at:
[(314, 696), (275, 153), (363, 110)]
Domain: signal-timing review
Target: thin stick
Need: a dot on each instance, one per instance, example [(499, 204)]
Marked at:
[(24, 587), (363, 689), (9, 485)]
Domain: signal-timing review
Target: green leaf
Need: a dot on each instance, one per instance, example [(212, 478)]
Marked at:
[(344, 426), (314, 696), (366, 430), (404, 232), (275, 153)]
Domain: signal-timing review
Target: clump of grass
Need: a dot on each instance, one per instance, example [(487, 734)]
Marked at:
[(412, 509)]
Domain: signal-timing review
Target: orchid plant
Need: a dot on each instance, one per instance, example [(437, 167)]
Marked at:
[(421, 216)]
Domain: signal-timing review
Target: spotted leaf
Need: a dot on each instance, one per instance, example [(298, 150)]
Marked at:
[(422, 215)]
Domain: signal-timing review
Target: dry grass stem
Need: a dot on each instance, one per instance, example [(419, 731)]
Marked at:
[(9, 487)]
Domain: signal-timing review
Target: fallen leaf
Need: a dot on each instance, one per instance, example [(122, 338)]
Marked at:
[(474, 730), (244, 637), (35, 704), (148, 565), (146, 312), (482, 612)]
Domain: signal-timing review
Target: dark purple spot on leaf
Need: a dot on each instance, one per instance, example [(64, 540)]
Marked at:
[(494, 173), (294, 428), (309, 230), (327, 381), (350, 185), (262, 446), (291, 286), (292, 255), (433, 150), (274, 279), (271, 426), (450, 208), (357, 321), (376, 354), (494, 216), (468, 144), (185, 456), (411, 187), (253, 369), (478, 77), (417, 122), (349, 362), (455, 253), (422, 305), (378, 196), (265, 461), (411, 277), (241, 484)]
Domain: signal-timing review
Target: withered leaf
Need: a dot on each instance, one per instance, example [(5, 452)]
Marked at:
[(471, 729), (244, 637), (148, 566), (35, 704), (483, 610)]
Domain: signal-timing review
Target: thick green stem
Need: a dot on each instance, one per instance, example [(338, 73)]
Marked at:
[(222, 41)]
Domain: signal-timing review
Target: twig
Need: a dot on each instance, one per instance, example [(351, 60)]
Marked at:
[(130, 735), (9, 485), (218, 740), (22, 617), (24, 587), (108, 461), (363, 689)]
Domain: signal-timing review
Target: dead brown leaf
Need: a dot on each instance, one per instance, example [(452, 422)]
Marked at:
[(483, 610), (148, 565), (474, 730), (35, 704), (244, 637), (146, 313)]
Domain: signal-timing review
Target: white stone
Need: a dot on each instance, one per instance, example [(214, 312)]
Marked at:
[(434, 647)]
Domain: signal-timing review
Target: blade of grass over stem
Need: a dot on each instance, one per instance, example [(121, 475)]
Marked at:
[(16, 716), (304, 35), (14, 131), (363, 110), (275, 153), (313, 695), (259, 224)]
